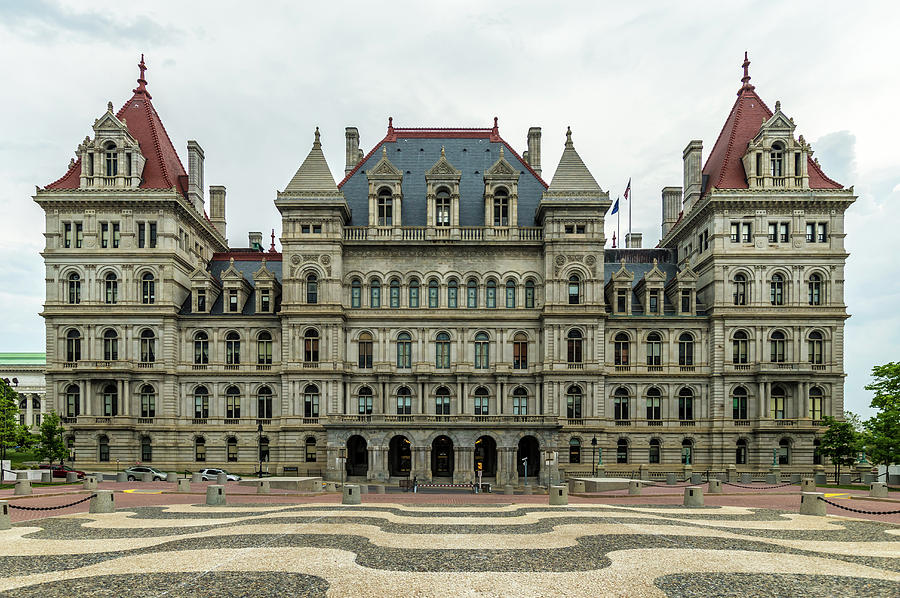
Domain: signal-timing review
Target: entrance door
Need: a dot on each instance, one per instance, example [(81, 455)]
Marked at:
[(486, 456), (442, 457), (357, 456), (399, 456), (528, 448)]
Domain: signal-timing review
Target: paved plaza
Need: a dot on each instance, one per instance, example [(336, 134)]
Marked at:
[(166, 544)]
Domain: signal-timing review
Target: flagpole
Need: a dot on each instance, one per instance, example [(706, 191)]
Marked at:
[(630, 201), (619, 224)]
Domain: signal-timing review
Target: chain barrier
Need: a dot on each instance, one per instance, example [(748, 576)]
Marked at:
[(77, 502), (685, 482), (760, 487), (834, 504)]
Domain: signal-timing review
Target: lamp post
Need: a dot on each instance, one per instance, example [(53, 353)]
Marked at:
[(548, 460), (525, 463), (259, 447), (342, 459), (594, 456)]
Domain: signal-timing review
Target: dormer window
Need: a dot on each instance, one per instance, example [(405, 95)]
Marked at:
[(112, 160), (233, 301), (442, 207), (265, 301), (385, 207), (201, 300), (777, 159), (501, 207)]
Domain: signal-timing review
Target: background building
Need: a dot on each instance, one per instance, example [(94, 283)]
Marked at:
[(25, 373), (443, 309)]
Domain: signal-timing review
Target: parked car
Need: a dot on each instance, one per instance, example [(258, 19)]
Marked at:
[(60, 471), (137, 472), (210, 473)]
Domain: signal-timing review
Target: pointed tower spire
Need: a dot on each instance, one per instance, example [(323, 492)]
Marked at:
[(572, 176), (313, 178), (142, 82), (746, 78)]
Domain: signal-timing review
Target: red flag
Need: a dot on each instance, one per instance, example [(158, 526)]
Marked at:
[(628, 189)]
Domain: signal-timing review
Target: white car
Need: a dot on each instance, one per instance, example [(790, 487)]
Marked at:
[(211, 473)]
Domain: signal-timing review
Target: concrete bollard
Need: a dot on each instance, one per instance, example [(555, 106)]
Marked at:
[(330, 487), (380, 489), (263, 487), (21, 475), (559, 495), (811, 505), (146, 477), (23, 488), (46, 477), (670, 479), (576, 486), (172, 477), (4, 515), (184, 485), (634, 487), (772, 478), (508, 489), (527, 489), (90, 482), (715, 487), (696, 478), (644, 472), (71, 477), (215, 495), (878, 490), (795, 478), (807, 485), (746, 478), (221, 479), (351, 495), (196, 477), (893, 479), (362, 488), (845, 479), (121, 476), (102, 502), (821, 479), (730, 473), (693, 496), (868, 478)]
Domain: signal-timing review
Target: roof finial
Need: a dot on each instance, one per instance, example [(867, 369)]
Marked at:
[(109, 107), (272, 248), (390, 124), (317, 143), (746, 78), (568, 136), (443, 155), (777, 105), (142, 82), (384, 151), (501, 151)]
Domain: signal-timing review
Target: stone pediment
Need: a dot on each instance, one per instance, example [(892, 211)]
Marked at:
[(201, 275), (263, 273), (443, 170), (655, 274), (622, 274), (231, 274), (385, 169), (501, 169)]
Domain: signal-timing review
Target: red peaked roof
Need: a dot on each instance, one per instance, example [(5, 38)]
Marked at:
[(724, 166), (163, 168)]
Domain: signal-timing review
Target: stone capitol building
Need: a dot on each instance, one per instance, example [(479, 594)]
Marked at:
[(444, 309)]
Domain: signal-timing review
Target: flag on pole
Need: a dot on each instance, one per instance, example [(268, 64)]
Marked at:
[(615, 207), (628, 190)]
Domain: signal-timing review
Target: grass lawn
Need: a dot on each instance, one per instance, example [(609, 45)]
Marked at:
[(17, 458)]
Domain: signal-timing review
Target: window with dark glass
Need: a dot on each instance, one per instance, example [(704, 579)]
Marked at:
[(620, 349), (777, 346), (312, 289), (264, 348), (529, 294), (232, 402), (73, 346), (740, 289), (442, 351), (73, 400), (364, 401), (365, 350), (654, 404), (622, 451), (501, 207), (816, 348), (414, 292), (404, 350), (776, 290), (110, 345), (111, 288), (574, 290), (148, 289), (490, 296), (433, 293), (520, 401), (739, 403), (311, 401), (481, 401), (685, 349), (264, 403), (375, 293), (452, 294), (471, 293), (482, 351), (74, 287), (574, 451), (201, 300), (109, 397), (146, 449), (311, 346), (201, 403), (573, 402), (574, 347), (654, 349), (442, 207), (201, 348), (520, 351), (355, 293), (620, 404), (148, 401), (385, 207), (231, 450), (442, 401), (740, 346), (654, 451), (404, 401), (621, 301), (685, 404), (148, 346), (815, 289), (394, 290), (232, 348)]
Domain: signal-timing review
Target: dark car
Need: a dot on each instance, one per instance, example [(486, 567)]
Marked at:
[(136, 473), (60, 471)]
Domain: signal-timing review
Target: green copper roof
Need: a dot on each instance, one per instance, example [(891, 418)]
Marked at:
[(23, 358)]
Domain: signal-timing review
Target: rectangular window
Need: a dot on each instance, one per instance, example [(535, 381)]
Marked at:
[(735, 232), (746, 232), (685, 301), (579, 229), (375, 296), (520, 355), (317, 229), (759, 171), (621, 301), (773, 232), (355, 296), (823, 229), (395, 295), (529, 296), (414, 295), (810, 232), (104, 235), (777, 408), (471, 296), (79, 235), (67, 235), (365, 354), (442, 405), (481, 406), (491, 297), (304, 229), (201, 300), (115, 235), (654, 302), (784, 229), (142, 240), (433, 295), (310, 452), (452, 293), (510, 297), (151, 235), (570, 229), (232, 301), (654, 410), (265, 302)]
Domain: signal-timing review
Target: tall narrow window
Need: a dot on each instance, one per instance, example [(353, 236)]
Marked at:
[(142, 234), (621, 301), (653, 302), (312, 289), (816, 348), (815, 289), (365, 350), (654, 404), (232, 402), (574, 450), (686, 306), (654, 451), (355, 293), (79, 235), (111, 288), (442, 351), (442, 207), (529, 294), (201, 403), (740, 289), (385, 207), (148, 401), (685, 349), (777, 160), (311, 401), (739, 403), (482, 351), (231, 450), (394, 293), (740, 346), (776, 347), (103, 446), (740, 452), (620, 404), (67, 235), (116, 236), (816, 400), (481, 401), (573, 402), (442, 401), (311, 346), (148, 289), (112, 160), (310, 450), (622, 451), (654, 349), (364, 401), (510, 294), (151, 235), (404, 401), (201, 300), (687, 452), (452, 293), (822, 232), (685, 404), (265, 301), (414, 292), (471, 293), (146, 449), (110, 399), (232, 301), (264, 403), (232, 348), (148, 346), (104, 235), (520, 401), (201, 347), (374, 293), (74, 284), (777, 400), (73, 346), (404, 350), (433, 291), (264, 348), (73, 400), (574, 347), (490, 296), (501, 207), (574, 290), (784, 452), (776, 290), (520, 351), (620, 349), (110, 345)]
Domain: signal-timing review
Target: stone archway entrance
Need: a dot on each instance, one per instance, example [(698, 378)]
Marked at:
[(442, 457), (486, 455), (529, 447), (399, 456), (357, 456)]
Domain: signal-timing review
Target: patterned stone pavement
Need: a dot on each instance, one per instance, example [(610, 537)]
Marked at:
[(384, 549)]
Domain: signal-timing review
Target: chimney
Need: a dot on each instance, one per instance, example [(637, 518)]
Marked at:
[(693, 177), (633, 240), (195, 174), (217, 207), (671, 205), (534, 149), (256, 241), (353, 154)]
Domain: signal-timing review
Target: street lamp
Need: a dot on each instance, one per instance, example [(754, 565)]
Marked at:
[(342, 459), (594, 456), (259, 447), (549, 462)]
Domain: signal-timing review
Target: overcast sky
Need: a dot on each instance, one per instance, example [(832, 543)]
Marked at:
[(636, 82)]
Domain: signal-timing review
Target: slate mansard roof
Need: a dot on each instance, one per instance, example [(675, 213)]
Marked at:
[(246, 262)]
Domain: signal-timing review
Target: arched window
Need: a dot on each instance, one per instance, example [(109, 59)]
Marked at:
[(110, 345), (740, 289), (510, 294), (520, 351), (472, 293), (685, 349), (620, 349), (816, 348), (148, 289), (231, 449), (573, 402), (654, 404), (784, 452), (776, 346), (310, 445), (654, 450), (501, 207), (815, 290), (73, 346), (311, 346), (201, 347), (778, 400), (374, 293), (148, 346), (740, 346), (686, 404), (574, 347), (654, 349), (816, 402), (740, 452), (442, 401), (482, 401), (622, 451), (687, 452), (146, 449), (74, 288), (232, 348), (414, 292), (200, 449), (404, 401), (232, 403), (385, 207), (442, 207), (148, 401), (355, 293), (103, 446), (776, 290), (739, 403), (529, 294), (264, 448), (264, 403), (574, 290), (264, 348), (453, 294), (442, 351), (777, 159), (311, 401), (433, 293), (817, 455), (490, 296), (394, 293), (404, 350), (112, 160), (312, 289), (201, 403), (110, 398), (364, 401), (574, 450), (620, 404), (365, 350), (482, 351), (520, 401), (73, 400), (111, 288)]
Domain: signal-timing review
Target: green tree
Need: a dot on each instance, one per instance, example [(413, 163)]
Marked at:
[(50, 443), (10, 430), (882, 431), (839, 443)]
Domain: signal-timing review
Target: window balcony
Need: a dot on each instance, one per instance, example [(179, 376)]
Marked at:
[(370, 234)]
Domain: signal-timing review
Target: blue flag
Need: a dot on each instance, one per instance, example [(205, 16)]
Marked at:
[(615, 207)]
